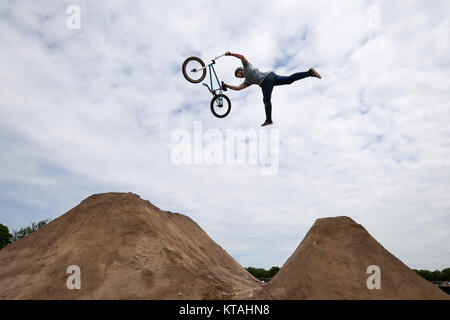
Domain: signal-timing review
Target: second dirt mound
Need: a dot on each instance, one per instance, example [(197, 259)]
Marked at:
[(331, 263)]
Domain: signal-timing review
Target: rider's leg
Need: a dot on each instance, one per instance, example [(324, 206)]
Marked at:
[(268, 109), (267, 88), (282, 80)]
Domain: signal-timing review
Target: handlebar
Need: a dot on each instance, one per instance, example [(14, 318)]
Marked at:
[(218, 57)]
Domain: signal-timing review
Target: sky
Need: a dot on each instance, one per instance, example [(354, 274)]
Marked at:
[(94, 109)]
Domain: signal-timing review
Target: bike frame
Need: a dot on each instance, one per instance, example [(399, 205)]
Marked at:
[(211, 67)]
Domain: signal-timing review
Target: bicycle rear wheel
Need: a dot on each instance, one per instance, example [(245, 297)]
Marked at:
[(220, 106), (191, 70)]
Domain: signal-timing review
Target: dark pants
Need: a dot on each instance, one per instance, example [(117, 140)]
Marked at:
[(272, 80)]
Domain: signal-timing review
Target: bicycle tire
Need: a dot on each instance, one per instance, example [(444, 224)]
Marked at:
[(228, 106), (185, 73)]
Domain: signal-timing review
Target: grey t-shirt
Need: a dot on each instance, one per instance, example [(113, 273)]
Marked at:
[(253, 75)]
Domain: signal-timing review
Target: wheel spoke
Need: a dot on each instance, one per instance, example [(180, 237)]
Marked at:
[(220, 106), (194, 70)]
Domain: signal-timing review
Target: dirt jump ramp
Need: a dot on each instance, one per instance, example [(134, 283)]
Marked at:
[(126, 248)]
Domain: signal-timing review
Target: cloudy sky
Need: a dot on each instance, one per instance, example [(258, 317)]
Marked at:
[(93, 110)]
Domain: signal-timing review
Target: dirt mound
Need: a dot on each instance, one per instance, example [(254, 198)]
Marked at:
[(126, 248), (331, 263)]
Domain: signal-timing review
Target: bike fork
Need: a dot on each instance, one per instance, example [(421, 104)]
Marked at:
[(215, 95)]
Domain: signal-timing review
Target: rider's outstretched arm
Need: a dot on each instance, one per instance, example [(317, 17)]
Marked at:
[(237, 55), (237, 88)]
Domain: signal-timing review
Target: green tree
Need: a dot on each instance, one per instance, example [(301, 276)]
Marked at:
[(23, 232), (272, 272), (428, 275), (256, 272), (445, 274), (437, 275), (263, 273), (5, 236)]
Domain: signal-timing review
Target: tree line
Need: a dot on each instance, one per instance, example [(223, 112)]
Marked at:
[(262, 273), (436, 275), (7, 238)]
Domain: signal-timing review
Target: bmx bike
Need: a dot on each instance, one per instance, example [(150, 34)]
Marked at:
[(194, 70)]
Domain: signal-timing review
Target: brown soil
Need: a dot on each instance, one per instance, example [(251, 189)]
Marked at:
[(331, 263), (127, 248)]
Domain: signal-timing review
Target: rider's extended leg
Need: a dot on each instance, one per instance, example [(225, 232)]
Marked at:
[(282, 80)]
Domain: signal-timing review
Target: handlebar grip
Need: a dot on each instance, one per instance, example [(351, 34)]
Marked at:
[(223, 87)]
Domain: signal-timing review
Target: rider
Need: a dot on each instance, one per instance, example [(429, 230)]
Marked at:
[(266, 80)]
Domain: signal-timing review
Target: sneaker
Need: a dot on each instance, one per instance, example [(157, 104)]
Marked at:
[(314, 73), (266, 123)]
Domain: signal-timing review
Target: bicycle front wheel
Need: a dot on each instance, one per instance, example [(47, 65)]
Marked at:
[(193, 70), (220, 106)]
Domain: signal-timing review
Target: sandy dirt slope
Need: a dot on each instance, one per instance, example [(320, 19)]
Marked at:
[(126, 248), (331, 263)]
